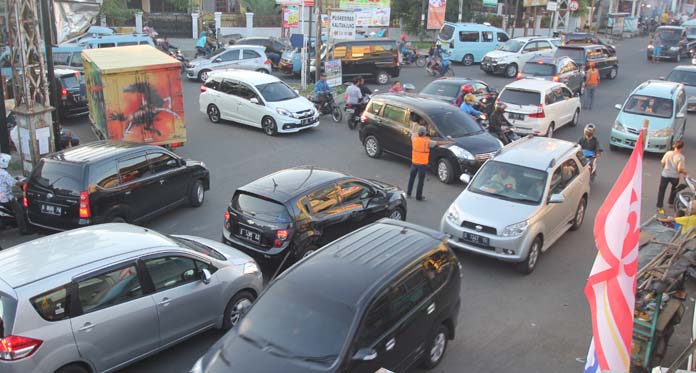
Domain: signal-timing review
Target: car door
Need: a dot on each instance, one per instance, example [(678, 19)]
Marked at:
[(680, 114), (564, 181), (575, 76), (141, 191), (545, 49), (328, 216), (397, 130), (363, 202), (568, 105), (361, 61), (172, 176), (528, 52), (213, 94), (185, 303), (249, 112), (116, 321), (251, 60), (227, 60), (228, 100)]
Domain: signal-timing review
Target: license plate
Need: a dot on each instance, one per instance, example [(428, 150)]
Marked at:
[(51, 210), (517, 116), (350, 111), (475, 239), (250, 235), (307, 121)]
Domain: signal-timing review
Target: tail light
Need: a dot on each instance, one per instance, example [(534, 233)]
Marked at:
[(204, 88), (85, 212), (64, 93), (228, 225), (363, 117), (556, 78), (519, 76), (25, 201), (268, 62), (281, 236), (176, 144), (14, 347), (539, 114)]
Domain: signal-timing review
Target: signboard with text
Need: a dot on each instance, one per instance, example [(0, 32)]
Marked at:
[(363, 4), (334, 74), (342, 25), (490, 3), (291, 17)]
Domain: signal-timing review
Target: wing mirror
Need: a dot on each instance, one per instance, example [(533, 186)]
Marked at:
[(217, 60), (661, 78), (465, 178), (205, 275), (556, 198), (254, 100), (617, 106), (680, 115), (365, 354)]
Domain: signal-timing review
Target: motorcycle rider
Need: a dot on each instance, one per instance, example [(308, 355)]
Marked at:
[(202, 43), (406, 49), (466, 89), (467, 106), (354, 96), (7, 198), (588, 141), (497, 121), (409, 88), (321, 91), (363, 87), (436, 56)]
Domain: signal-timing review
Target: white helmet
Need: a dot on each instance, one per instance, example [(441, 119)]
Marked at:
[(5, 160)]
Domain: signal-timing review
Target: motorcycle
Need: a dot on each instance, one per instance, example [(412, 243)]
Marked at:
[(8, 215), (354, 111), (328, 107), (507, 135), (592, 163), (443, 67), (414, 58), (685, 195)]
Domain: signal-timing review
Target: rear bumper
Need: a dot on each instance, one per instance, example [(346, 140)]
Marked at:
[(272, 256)]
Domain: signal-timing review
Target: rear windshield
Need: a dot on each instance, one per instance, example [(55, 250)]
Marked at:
[(70, 81), (446, 32), (260, 207), (576, 54), (441, 89), (63, 177), (539, 69), (7, 312), (198, 247), (519, 97)]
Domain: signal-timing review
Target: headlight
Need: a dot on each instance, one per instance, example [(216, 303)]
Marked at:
[(250, 268), (514, 230), (284, 112), (461, 153), (453, 214), (665, 132), (674, 48), (618, 126), (650, 46)]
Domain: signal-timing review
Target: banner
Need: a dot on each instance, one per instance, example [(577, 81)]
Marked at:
[(291, 17), (363, 4), (490, 3), (342, 25), (372, 17), (334, 74), (436, 13)]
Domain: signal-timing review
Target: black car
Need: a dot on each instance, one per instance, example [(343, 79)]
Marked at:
[(582, 55), (285, 216), (673, 43), (560, 69), (274, 47), (448, 88), (581, 38), (383, 298), (376, 59), (108, 181), (389, 119), (72, 94)]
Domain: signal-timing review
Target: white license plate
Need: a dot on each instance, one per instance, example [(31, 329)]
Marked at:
[(516, 116), (51, 210), (307, 121), (250, 235)]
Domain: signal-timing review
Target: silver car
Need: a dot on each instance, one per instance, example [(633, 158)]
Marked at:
[(521, 201), (98, 298), (686, 75), (244, 57)]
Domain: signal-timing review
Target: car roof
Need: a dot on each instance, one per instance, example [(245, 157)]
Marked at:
[(455, 81), (657, 88), (96, 151), (284, 185), (533, 85), (250, 77), (546, 59), (365, 41), (582, 46), (47, 256), (246, 46), (67, 48), (536, 152), (361, 261), (472, 25), (679, 28), (421, 103), (115, 38), (528, 38)]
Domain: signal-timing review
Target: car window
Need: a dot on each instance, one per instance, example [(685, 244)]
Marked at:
[(594, 54), (539, 69), (324, 201), (212, 84), (232, 55), (71, 81), (374, 107), (543, 45), (681, 100), (104, 175), (353, 194), (683, 76), (502, 37), (276, 91), (230, 87), (250, 54), (649, 106), (520, 97), (563, 176), (64, 177), (76, 60), (453, 122), (511, 46), (469, 36), (135, 168), (162, 162), (61, 58), (480, 88), (359, 50), (245, 92), (340, 51), (572, 66), (53, 304), (394, 113), (509, 182), (260, 207), (566, 93), (577, 54), (127, 43), (487, 36), (198, 247), (109, 289), (438, 267), (106, 45), (171, 271), (532, 46), (441, 88)]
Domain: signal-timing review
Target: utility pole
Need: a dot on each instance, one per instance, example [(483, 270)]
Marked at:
[(4, 132), (47, 16), (317, 45), (423, 21)]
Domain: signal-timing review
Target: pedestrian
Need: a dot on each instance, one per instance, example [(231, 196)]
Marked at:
[(657, 48), (396, 87), (686, 223), (591, 82), (420, 158), (673, 163)]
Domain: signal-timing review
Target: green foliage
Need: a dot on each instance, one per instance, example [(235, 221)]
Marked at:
[(117, 12), (260, 7), (410, 13), (181, 5)]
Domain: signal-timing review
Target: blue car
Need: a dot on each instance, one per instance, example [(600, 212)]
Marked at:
[(469, 42)]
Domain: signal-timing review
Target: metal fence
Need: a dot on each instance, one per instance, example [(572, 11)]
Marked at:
[(169, 25)]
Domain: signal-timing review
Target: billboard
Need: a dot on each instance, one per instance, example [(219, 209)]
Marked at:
[(291, 17), (334, 74), (342, 25), (528, 3), (363, 4), (436, 13)]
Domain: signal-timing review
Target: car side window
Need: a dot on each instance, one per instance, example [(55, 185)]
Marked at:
[(395, 113), (324, 201), (52, 305), (438, 267), (232, 55), (375, 107), (502, 37), (245, 92), (135, 168), (76, 60), (543, 45), (171, 271), (353, 193), (469, 36), (566, 93), (487, 36), (563, 176), (681, 100), (340, 51), (572, 66), (552, 96), (212, 84), (104, 175), (250, 54), (106, 45), (230, 87), (532, 46), (480, 88), (109, 289), (359, 51), (162, 162)]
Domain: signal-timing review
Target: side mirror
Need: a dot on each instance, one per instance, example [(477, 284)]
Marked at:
[(680, 115), (661, 78), (205, 275), (617, 106), (296, 91), (173, 163), (365, 354), (556, 198), (254, 100), (465, 178)]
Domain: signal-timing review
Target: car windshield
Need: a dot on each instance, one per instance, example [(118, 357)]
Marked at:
[(256, 206), (511, 46), (684, 77), (539, 69), (668, 35), (576, 54), (649, 105), (58, 176), (292, 321), (441, 89), (520, 97), (454, 123), (510, 182), (276, 91), (446, 32)]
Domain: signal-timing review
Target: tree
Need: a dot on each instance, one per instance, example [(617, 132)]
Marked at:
[(117, 12), (410, 13), (260, 7)]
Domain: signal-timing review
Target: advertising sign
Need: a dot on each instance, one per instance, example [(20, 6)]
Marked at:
[(552, 6), (528, 3), (342, 25), (295, 2), (436, 13), (372, 17), (490, 3), (334, 74), (291, 17), (363, 4)]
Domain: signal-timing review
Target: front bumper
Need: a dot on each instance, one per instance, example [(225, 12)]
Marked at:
[(628, 140), (664, 53), (191, 74), (509, 249), (471, 166), (291, 125), (494, 68)]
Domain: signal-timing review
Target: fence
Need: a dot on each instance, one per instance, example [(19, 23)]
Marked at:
[(169, 25)]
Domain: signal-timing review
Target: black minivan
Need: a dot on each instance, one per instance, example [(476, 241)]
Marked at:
[(285, 216), (387, 123), (383, 298), (109, 181), (374, 59)]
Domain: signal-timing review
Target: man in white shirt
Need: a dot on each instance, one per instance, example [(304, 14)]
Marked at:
[(354, 96), (673, 163)]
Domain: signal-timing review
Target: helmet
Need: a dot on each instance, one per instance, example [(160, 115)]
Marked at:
[(403, 37), (409, 87), (469, 98), (438, 44), (467, 88), (5, 160), (589, 129)]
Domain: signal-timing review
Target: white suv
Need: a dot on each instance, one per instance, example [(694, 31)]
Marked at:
[(539, 107), (510, 57)]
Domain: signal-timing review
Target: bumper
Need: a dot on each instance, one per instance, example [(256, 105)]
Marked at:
[(273, 256), (628, 141), (470, 167), (510, 249), (493, 68), (291, 125), (285, 67), (664, 53), (530, 128), (191, 74)]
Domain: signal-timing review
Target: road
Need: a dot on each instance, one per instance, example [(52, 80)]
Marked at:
[(508, 322)]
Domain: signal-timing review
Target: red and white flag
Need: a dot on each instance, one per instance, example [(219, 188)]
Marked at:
[(611, 287)]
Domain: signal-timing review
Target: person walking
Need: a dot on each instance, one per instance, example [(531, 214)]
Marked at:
[(672, 168), (420, 158), (591, 83)]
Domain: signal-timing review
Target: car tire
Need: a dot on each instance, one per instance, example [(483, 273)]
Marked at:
[(203, 75), (234, 308), (468, 59), (397, 214), (579, 216), (73, 368), (436, 348), (576, 117), (337, 114), (269, 126), (372, 147), (196, 193), (213, 113), (382, 77), (613, 73), (529, 264), (511, 70), (445, 170), (549, 132)]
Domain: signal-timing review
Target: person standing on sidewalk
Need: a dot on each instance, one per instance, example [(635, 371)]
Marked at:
[(591, 82), (420, 158), (672, 168)]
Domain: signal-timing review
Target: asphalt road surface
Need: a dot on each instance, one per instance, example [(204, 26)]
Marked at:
[(508, 322)]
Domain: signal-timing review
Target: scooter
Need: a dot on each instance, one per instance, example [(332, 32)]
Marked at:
[(414, 58), (8, 216), (354, 112), (328, 107), (592, 163), (442, 67), (685, 195)]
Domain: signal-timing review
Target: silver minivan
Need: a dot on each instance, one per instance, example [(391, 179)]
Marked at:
[(99, 298)]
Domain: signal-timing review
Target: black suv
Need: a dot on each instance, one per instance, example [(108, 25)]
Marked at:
[(579, 38), (448, 88), (376, 59), (582, 55), (108, 181), (383, 298), (72, 94), (389, 120), (672, 41), (287, 215)]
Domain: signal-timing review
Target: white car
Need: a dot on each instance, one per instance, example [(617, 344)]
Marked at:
[(510, 57), (258, 100), (539, 107)]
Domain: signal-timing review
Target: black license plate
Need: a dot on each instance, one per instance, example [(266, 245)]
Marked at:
[(475, 239), (516, 116), (307, 121), (51, 209), (250, 235), (350, 111)]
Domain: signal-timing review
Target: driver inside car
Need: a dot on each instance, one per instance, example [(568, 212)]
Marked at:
[(503, 178)]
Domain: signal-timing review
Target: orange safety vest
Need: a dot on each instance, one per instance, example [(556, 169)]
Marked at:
[(592, 78), (421, 150)]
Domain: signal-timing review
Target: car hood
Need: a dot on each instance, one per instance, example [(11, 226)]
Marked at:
[(492, 211), (635, 121), (200, 61), (294, 105), (480, 143), (498, 54)]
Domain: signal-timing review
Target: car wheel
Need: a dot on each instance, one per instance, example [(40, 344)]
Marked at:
[(262, 71), (468, 60), (576, 117), (336, 114), (235, 308), (397, 214), (549, 132), (529, 264), (269, 126), (372, 147), (613, 73), (196, 194), (213, 113), (420, 61), (445, 171), (436, 348), (203, 75), (72, 368), (382, 77), (511, 70), (579, 215)]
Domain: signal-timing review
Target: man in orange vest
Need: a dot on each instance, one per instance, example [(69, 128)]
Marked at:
[(591, 82), (420, 158)]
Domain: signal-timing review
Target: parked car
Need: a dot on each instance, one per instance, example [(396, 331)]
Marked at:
[(99, 298), (674, 43), (521, 201), (376, 59), (274, 46), (582, 55), (385, 297), (447, 89), (686, 75), (108, 181), (469, 42), (387, 125), (539, 107), (70, 85), (559, 69), (291, 60), (115, 40), (663, 104), (244, 57), (258, 100), (69, 57), (581, 38), (509, 57)]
